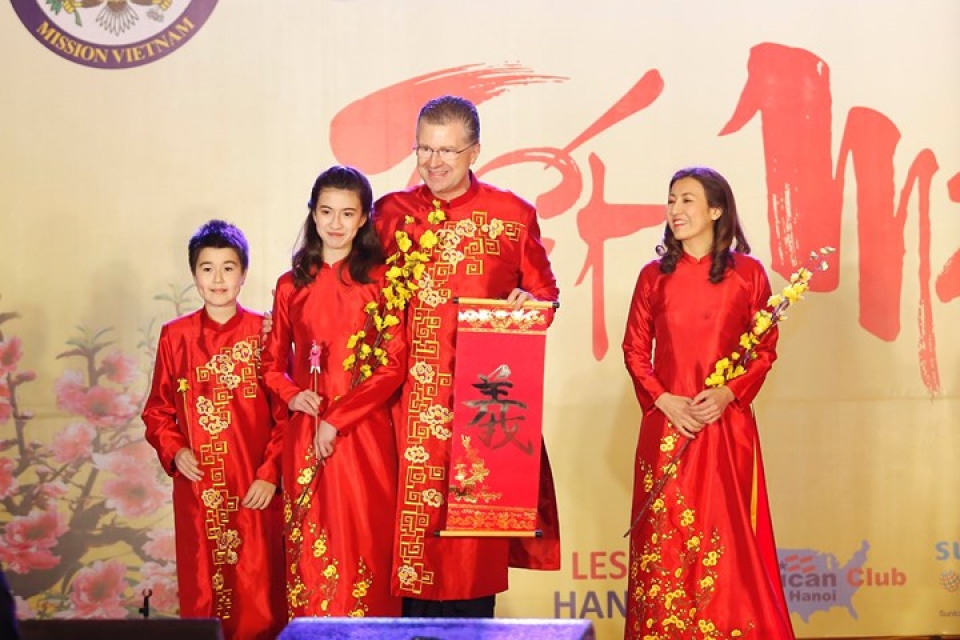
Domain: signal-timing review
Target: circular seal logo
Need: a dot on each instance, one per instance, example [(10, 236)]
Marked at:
[(113, 34)]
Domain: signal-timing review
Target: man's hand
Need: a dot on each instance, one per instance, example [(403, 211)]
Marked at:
[(259, 495), (306, 401), (187, 464), (518, 296)]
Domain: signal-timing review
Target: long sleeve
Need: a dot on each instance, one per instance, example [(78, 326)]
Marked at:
[(747, 386), (270, 469), (536, 274), (160, 411), (346, 411), (638, 344), (275, 358)]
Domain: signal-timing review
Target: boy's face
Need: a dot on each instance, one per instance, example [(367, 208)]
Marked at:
[(219, 277)]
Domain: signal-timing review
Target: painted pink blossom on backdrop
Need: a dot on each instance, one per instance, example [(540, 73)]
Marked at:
[(6, 409), (10, 353), (120, 368), (98, 591), (161, 545), (162, 580), (28, 541), (135, 495), (74, 443), (93, 486), (8, 482)]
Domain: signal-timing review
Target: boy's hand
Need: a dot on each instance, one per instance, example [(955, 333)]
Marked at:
[(259, 495), (187, 465), (325, 440), (306, 401)]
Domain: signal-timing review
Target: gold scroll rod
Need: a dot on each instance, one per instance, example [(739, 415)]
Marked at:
[(529, 304)]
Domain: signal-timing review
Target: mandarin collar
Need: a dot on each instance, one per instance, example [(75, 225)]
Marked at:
[(463, 198), (209, 323), (686, 257)]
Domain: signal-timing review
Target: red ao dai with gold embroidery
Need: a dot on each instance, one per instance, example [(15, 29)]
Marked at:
[(207, 396)]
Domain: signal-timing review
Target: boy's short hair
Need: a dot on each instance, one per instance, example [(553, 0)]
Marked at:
[(217, 234)]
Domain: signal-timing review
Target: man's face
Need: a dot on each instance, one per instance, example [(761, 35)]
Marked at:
[(446, 178)]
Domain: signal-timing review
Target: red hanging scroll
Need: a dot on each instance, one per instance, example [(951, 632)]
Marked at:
[(498, 416)]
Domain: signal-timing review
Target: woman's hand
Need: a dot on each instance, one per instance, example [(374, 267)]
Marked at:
[(307, 402), (259, 494), (678, 410), (325, 440), (709, 404)]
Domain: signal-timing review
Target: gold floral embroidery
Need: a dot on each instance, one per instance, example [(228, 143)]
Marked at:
[(211, 498), (243, 351), (493, 228), (674, 566), (423, 372), (227, 543), (466, 228), (416, 454), (471, 474), (361, 586), (407, 575), (436, 416), (432, 497), (306, 476), (320, 546)]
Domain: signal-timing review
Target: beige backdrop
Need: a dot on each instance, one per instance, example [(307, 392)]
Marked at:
[(105, 173)]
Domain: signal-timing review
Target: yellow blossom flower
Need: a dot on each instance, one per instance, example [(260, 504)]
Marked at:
[(762, 322), (428, 240), (403, 241)]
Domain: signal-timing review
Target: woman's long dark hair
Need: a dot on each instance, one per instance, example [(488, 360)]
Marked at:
[(727, 233), (366, 253)]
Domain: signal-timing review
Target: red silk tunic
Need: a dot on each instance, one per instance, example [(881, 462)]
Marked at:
[(489, 244), (207, 396), (703, 561), (339, 515)]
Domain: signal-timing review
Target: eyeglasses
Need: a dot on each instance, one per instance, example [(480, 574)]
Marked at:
[(447, 155)]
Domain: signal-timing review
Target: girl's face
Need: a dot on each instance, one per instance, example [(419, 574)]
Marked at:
[(338, 216), (690, 217)]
